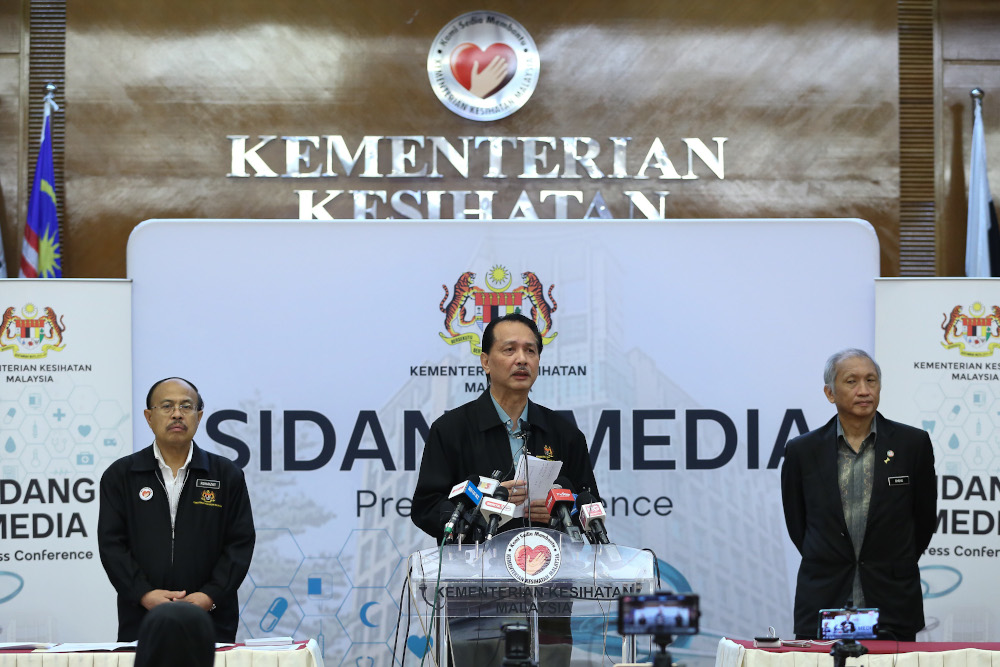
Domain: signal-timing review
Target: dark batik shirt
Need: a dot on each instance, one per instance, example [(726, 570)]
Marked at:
[(854, 476)]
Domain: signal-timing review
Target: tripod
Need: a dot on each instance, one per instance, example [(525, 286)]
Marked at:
[(844, 649), (663, 659)]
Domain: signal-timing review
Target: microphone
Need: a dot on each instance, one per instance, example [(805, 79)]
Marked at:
[(465, 494), (497, 511), (558, 503), (472, 524), (525, 436), (592, 516), (488, 485)]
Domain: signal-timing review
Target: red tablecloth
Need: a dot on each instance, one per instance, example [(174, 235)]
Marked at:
[(881, 646)]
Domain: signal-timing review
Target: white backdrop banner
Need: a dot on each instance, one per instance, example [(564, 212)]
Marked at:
[(938, 342), (65, 415), (688, 352)]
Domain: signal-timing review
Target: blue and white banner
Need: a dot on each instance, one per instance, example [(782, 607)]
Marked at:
[(65, 415), (687, 352), (938, 342)]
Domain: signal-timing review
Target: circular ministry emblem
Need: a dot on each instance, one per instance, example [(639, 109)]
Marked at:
[(145, 493), (532, 557), (483, 65)]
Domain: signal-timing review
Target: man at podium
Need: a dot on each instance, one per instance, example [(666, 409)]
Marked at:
[(487, 436)]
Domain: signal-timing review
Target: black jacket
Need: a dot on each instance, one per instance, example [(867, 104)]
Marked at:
[(211, 547), (901, 520), (471, 440)]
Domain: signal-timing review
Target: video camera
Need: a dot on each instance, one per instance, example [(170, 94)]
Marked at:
[(662, 615), (848, 623), (845, 627)]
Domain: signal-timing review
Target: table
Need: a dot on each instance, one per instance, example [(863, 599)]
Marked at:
[(306, 654), (741, 653)]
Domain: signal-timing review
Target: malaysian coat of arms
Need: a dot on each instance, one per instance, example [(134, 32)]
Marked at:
[(33, 333), (976, 332), (468, 308)]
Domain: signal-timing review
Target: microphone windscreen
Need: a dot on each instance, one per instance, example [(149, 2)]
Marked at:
[(585, 497), (502, 493)]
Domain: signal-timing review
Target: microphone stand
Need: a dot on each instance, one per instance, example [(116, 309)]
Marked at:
[(525, 437)]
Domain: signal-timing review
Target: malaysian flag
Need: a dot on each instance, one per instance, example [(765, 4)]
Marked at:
[(40, 252)]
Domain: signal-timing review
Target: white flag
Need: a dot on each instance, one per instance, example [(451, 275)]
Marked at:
[(977, 250), (3, 262)]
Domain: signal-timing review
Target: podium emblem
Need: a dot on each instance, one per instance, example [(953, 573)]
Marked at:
[(533, 557)]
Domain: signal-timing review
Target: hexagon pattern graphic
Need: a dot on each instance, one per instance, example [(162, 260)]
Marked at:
[(347, 602), (62, 429)]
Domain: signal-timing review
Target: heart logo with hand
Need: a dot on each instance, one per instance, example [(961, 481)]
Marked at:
[(483, 73), (532, 559)]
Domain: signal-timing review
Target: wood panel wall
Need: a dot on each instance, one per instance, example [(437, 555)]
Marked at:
[(811, 95)]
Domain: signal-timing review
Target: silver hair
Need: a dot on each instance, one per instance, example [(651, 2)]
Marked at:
[(830, 370)]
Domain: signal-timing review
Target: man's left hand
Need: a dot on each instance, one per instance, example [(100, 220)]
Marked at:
[(199, 599), (538, 513)]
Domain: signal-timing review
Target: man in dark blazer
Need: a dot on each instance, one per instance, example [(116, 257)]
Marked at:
[(860, 505), (476, 439), (481, 438), (175, 524)]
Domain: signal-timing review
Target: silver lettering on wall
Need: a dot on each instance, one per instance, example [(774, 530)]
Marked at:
[(580, 160)]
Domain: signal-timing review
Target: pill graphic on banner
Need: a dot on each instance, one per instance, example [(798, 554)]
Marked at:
[(273, 614)]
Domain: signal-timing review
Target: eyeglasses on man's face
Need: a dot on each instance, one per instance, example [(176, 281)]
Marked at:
[(168, 409)]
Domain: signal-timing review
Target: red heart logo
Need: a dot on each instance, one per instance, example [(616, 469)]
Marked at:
[(466, 56), (532, 559)]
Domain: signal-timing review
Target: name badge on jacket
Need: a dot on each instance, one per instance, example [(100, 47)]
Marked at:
[(900, 480)]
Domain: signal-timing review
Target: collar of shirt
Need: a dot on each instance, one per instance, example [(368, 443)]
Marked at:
[(168, 474), (869, 439), (516, 443)]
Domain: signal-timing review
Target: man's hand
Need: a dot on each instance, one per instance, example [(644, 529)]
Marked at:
[(158, 596), (518, 492), (199, 599), (538, 513)]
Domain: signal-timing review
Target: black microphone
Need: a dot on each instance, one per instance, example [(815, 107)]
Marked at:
[(558, 502), (592, 516), (465, 494), (472, 527), (525, 435)]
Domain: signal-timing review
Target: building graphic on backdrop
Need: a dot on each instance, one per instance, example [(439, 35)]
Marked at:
[(468, 308), (709, 542), (974, 330), (33, 333)]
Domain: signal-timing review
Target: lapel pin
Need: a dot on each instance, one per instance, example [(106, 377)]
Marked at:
[(889, 454)]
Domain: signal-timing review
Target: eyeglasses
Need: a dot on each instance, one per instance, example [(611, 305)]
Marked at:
[(167, 409)]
